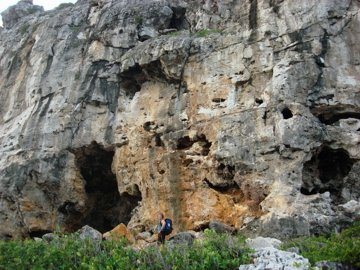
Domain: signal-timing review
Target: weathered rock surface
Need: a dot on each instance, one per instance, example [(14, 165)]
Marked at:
[(120, 231), (272, 258), (220, 227), (182, 238), (16, 13), (48, 237), (87, 232), (262, 242), (325, 265), (248, 114)]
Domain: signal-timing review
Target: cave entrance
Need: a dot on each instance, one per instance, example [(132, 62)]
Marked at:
[(106, 208), (326, 172)]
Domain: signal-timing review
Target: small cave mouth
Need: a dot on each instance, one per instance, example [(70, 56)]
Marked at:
[(132, 80), (226, 171), (178, 20), (229, 188), (218, 100), (105, 206), (259, 101), (286, 113), (38, 233), (326, 171), (329, 115), (186, 142), (329, 119)]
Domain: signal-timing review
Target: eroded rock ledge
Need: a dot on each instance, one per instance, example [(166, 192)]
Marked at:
[(245, 112)]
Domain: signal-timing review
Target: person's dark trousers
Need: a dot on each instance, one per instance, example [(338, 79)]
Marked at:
[(161, 237)]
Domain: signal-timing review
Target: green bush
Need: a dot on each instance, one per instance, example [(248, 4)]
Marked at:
[(139, 19), (343, 247), (215, 251), (206, 32), (24, 29)]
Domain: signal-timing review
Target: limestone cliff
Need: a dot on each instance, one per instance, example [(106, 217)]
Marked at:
[(242, 111)]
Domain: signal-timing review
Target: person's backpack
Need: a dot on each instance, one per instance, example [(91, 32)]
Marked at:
[(168, 226)]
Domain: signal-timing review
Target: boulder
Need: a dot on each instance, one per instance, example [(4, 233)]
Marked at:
[(144, 236), (220, 227), (325, 265), (48, 237), (262, 242), (182, 238), (351, 208), (274, 259), (88, 232), (119, 232)]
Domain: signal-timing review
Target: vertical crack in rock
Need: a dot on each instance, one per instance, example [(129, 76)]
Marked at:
[(326, 172), (253, 15), (106, 208)]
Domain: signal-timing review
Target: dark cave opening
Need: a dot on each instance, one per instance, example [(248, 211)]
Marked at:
[(329, 115), (225, 171), (106, 208), (178, 20), (331, 118), (186, 142), (326, 172), (38, 233), (287, 113)]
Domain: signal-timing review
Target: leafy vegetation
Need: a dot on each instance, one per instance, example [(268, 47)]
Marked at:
[(206, 32), (139, 19), (174, 34), (24, 28), (214, 251), (343, 247)]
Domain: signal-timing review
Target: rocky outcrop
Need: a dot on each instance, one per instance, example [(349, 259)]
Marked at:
[(267, 255), (272, 258), (14, 14), (245, 112)]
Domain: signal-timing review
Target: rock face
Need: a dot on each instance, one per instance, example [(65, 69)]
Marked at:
[(245, 112)]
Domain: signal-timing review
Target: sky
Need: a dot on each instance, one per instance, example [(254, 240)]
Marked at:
[(47, 4)]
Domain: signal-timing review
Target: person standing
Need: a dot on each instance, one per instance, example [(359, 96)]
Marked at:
[(164, 228)]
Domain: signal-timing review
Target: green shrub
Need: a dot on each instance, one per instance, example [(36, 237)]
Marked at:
[(139, 19), (24, 28), (343, 247), (206, 32), (174, 34), (215, 251)]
